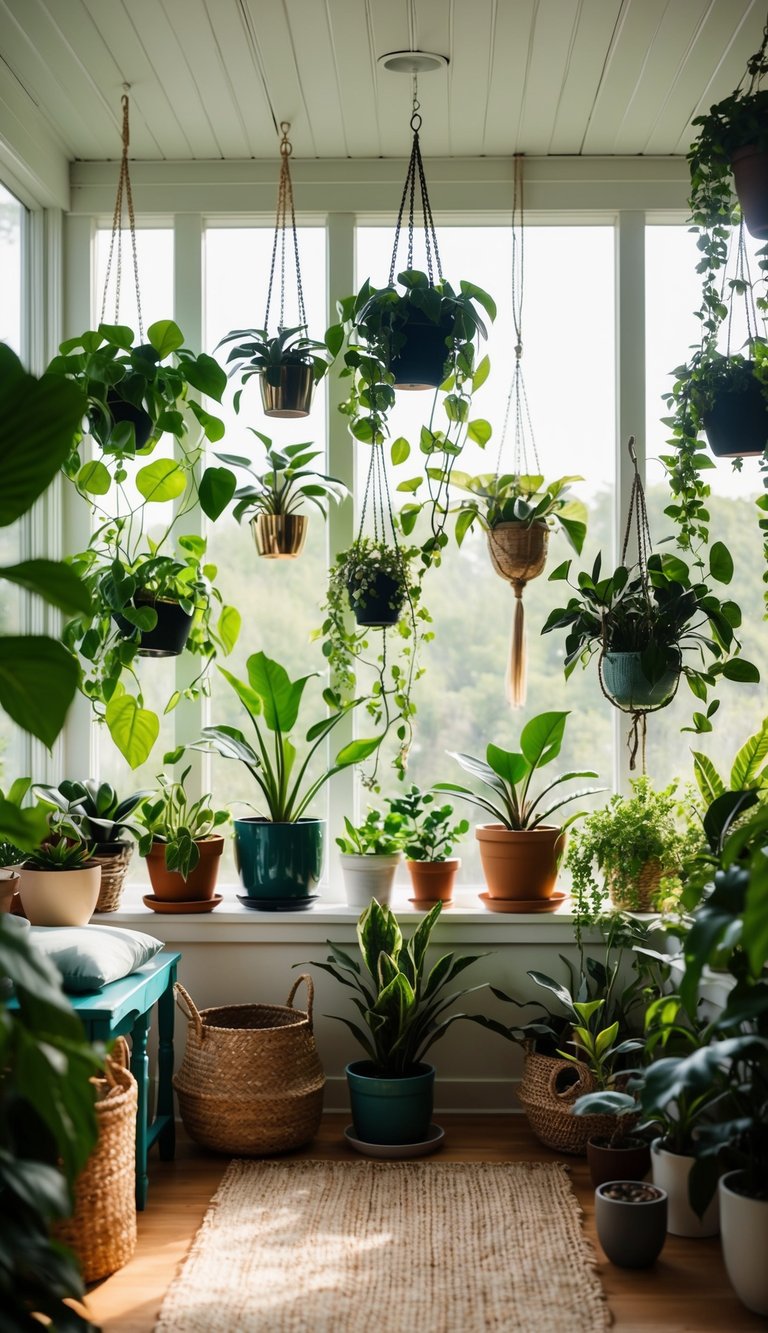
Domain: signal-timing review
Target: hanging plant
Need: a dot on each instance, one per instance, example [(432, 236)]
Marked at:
[(288, 364)]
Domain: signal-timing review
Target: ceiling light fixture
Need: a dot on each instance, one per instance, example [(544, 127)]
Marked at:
[(412, 62)]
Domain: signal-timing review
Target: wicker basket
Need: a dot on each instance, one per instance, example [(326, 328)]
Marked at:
[(251, 1081), (517, 553), (547, 1092), (102, 1229), (114, 868), (639, 893)]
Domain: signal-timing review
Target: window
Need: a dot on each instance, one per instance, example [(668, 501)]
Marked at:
[(13, 217)]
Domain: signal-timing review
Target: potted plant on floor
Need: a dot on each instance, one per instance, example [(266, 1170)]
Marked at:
[(621, 1155), (288, 366), (59, 883), (102, 819), (428, 837), (370, 855), (631, 1221), (272, 501), (520, 852), (403, 1005), (280, 853), (637, 842), (180, 844)]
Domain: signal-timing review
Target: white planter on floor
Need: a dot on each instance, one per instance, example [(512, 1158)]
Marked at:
[(744, 1229), (367, 877), (670, 1172)]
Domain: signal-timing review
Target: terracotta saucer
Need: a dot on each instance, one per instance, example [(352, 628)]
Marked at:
[(175, 909), (521, 905), (424, 904)]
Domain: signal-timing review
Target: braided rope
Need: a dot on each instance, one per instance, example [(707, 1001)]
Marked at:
[(124, 194)]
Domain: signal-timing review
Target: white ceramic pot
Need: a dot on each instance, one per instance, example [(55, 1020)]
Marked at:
[(367, 877), (59, 897), (670, 1172), (744, 1229)]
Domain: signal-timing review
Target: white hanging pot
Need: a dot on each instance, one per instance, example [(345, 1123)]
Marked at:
[(367, 877), (670, 1172), (744, 1229)]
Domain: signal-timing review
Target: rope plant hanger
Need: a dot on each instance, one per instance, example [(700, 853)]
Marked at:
[(621, 678), (123, 200), (518, 547)]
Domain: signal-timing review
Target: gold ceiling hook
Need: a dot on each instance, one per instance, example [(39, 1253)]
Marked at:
[(286, 147)]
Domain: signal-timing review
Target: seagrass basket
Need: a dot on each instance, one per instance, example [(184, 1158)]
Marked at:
[(518, 553), (114, 868), (102, 1229), (251, 1081), (547, 1092), (638, 893)]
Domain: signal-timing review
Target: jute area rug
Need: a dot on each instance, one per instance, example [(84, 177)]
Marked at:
[(374, 1247)]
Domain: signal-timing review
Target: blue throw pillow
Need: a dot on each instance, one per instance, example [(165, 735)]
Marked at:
[(89, 957)]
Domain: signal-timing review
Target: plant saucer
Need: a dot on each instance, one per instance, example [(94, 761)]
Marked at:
[(425, 904), (176, 908), (278, 904), (521, 905), (433, 1141)]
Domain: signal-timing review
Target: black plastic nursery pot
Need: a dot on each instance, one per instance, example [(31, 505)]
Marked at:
[(420, 362), (379, 606), (750, 176), (737, 423), (122, 410), (169, 637)]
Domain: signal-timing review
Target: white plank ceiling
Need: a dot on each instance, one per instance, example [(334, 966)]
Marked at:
[(212, 78)]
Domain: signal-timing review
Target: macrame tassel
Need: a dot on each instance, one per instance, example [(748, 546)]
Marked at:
[(517, 673)]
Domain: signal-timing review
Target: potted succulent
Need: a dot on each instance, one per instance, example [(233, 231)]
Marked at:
[(280, 853), (180, 844), (273, 500), (59, 883), (370, 855), (101, 819), (428, 836), (520, 852), (402, 1003), (288, 365), (636, 841), (640, 630)]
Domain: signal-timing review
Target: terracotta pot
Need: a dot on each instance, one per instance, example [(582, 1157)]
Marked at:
[(518, 553), (433, 881), (9, 884), (279, 536), (292, 396), (638, 894), (632, 1162), (199, 885), (520, 863), (59, 897), (750, 176)]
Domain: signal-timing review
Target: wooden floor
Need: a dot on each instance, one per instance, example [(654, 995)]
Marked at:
[(687, 1290)]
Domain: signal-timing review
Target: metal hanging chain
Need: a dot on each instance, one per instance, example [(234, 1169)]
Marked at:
[(517, 399), (124, 192), (757, 65), (285, 217), (416, 173)]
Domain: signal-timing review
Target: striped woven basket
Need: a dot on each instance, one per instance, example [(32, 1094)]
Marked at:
[(102, 1229), (251, 1081), (547, 1092), (637, 894), (114, 868)]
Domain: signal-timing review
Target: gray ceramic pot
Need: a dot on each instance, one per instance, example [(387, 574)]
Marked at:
[(632, 1234)]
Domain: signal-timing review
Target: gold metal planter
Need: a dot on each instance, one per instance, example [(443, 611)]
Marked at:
[(292, 397), (279, 536)]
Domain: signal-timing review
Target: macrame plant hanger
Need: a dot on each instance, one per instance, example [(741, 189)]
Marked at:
[(416, 173), (637, 522), (123, 199), (518, 553), (285, 221)]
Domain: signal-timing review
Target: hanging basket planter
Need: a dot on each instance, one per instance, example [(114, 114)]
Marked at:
[(287, 391), (750, 176), (628, 687), (170, 634), (518, 553), (737, 421), (379, 603), (421, 361), (279, 536), (121, 410)]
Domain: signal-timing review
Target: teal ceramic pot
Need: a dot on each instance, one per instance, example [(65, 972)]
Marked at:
[(629, 687), (279, 860), (390, 1110)]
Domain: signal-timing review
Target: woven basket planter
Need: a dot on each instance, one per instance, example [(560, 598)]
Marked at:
[(546, 1095), (251, 1081), (102, 1229), (518, 554), (636, 894), (114, 868)]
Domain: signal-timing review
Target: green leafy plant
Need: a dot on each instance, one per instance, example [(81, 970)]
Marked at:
[(599, 1050), (179, 823), (509, 774), (379, 834), (256, 353), (23, 828), (401, 1001), (520, 499), (64, 854), (47, 1130), (272, 701), (661, 621), (428, 830), (286, 484), (94, 808)]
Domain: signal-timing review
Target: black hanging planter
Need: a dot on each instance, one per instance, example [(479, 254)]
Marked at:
[(170, 634), (122, 410), (421, 361), (380, 604), (737, 423)]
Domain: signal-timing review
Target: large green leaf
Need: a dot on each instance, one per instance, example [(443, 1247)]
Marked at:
[(57, 583), (378, 932), (133, 729), (357, 751), (162, 480), (509, 766), (166, 337), (26, 829), (206, 375), (94, 478), (748, 761), (280, 696), (228, 628), (217, 486), (247, 696), (541, 738), (38, 679), (38, 421)]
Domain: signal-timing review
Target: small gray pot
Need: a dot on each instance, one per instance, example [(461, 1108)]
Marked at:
[(632, 1234)]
